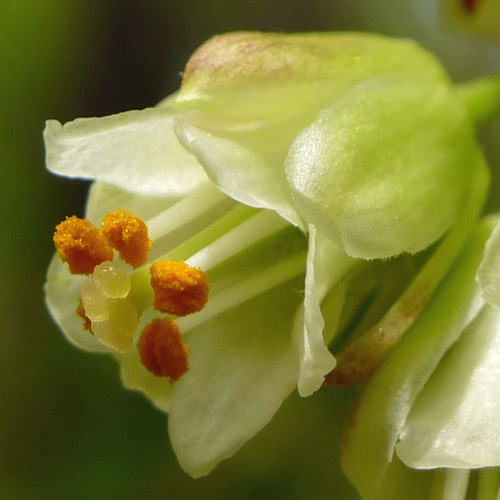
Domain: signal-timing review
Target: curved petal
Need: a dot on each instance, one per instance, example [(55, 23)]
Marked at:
[(250, 175), (374, 170), (326, 264), (135, 150), (63, 291), (454, 421), (242, 367)]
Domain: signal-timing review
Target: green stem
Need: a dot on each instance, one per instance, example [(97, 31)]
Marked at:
[(488, 487), (481, 98)]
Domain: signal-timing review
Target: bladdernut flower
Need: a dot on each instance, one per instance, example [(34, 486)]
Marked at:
[(268, 184), (219, 357)]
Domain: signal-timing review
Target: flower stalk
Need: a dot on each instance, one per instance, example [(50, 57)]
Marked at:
[(482, 98)]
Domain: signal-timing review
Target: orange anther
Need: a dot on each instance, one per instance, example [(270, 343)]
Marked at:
[(128, 234), (162, 350), (80, 310), (179, 288), (79, 243)]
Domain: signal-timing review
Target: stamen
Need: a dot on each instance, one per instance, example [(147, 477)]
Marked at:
[(80, 310), (248, 288), (207, 199), (79, 243), (179, 288), (249, 232), (455, 484), (128, 234), (162, 350)]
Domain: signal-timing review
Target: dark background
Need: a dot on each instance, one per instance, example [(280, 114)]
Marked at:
[(67, 428)]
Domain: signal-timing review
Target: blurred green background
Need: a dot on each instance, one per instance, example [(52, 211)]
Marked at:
[(67, 428)]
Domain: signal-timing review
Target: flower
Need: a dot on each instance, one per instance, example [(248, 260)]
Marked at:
[(284, 212), (245, 343)]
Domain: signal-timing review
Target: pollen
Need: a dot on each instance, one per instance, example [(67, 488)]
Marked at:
[(128, 234), (179, 288), (79, 243), (162, 350), (80, 310)]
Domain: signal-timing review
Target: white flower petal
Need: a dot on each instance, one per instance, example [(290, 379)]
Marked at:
[(455, 420), (135, 150), (326, 264), (242, 366), (373, 170), (62, 294), (247, 174), (135, 377)]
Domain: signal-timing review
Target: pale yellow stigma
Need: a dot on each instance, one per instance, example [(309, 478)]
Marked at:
[(179, 288), (114, 318), (128, 234), (162, 350), (79, 243)]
